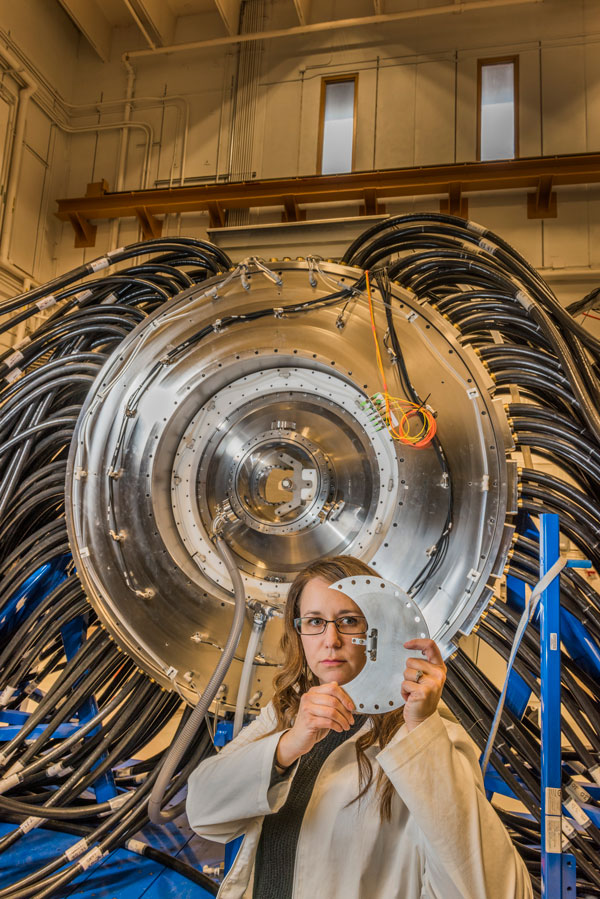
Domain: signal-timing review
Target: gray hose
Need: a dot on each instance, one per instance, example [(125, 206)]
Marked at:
[(254, 643), (171, 761)]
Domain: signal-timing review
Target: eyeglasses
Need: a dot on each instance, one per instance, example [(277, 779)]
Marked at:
[(346, 624)]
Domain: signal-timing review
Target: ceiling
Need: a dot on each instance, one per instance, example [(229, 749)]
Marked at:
[(157, 20)]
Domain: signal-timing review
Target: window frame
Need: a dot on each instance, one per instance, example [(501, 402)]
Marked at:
[(334, 79), (494, 61)]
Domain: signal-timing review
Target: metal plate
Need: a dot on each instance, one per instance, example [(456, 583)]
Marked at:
[(393, 618)]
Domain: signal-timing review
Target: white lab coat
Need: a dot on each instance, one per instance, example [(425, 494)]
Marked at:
[(444, 840)]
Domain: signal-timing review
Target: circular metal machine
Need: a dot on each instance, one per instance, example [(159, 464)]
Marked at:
[(248, 400)]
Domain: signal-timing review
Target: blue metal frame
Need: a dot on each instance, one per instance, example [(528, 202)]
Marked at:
[(550, 713)]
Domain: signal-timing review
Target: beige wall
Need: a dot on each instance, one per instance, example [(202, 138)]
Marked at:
[(416, 106)]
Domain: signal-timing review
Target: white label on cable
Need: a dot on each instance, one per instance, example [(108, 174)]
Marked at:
[(13, 359), (76, 850), (595, 772), (568, 831), (577, 813), (6, 696), (118, 801), (7, 783), (136, 846), (116, 252), (553, 833), (84, 295), (477, 229), (45, 302), (13, 374), (578, 792), (22, 343), (93, 856), (99, 264), (553, 801), (58, 770), (487, 246), (31, 823)]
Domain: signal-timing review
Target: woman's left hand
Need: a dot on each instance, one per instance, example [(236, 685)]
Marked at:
[(423, 682)]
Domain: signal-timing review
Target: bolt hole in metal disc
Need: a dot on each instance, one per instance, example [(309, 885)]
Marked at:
[(393, 618)]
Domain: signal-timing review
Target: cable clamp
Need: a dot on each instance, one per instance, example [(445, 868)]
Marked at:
[(472, 393), (278, 311), (80, 473), (148, 593), (473, 574), (412, 316), (115, 473), (171, 673), (118, 537), (76, 850), (217, 326)]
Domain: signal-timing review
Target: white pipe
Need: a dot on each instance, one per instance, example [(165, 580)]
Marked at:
[(16, 157), (254, 642), (361, 22)]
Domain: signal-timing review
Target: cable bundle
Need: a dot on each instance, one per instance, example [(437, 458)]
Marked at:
[(45, 778), (548, 367)]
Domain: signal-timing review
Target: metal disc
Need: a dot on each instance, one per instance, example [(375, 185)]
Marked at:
[(393, 619)]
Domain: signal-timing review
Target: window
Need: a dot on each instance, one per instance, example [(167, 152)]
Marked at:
[(497, 113), (337, 125)]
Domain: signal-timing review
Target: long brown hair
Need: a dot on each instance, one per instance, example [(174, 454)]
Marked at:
[(295, 678)]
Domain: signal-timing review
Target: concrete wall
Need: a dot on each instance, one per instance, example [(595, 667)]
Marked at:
[(417, 97)]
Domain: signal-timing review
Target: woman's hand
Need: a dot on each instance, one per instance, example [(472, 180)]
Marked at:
[(423, 682), (323, 708)]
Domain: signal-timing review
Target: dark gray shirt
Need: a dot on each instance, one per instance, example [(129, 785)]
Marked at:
[(276, 852)]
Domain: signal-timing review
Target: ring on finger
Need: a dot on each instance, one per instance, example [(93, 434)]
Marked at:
[(418, 676)]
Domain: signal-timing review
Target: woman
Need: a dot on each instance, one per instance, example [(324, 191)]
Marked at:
[(339, 806)]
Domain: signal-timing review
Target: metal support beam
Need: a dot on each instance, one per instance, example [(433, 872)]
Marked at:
[(291, 211)]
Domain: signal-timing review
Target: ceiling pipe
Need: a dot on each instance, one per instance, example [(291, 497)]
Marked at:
[(361, 22)]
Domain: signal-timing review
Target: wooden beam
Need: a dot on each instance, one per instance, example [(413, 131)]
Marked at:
[(216, 215), (150, 225), (543, 204), (456, 204), (92, 23), (291, 211), (85, 233), (229, 10), (371, 206), (303, 11), (453, 181)]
